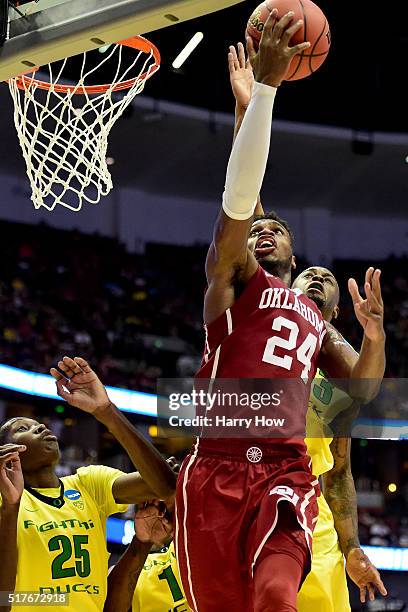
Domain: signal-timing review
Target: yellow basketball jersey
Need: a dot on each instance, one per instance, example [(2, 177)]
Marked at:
[(325, 587), (159, 586), (326, 402), (64, 549)]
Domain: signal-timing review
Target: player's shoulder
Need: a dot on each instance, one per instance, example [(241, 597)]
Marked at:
[(271, 279), (95, 474), (336, 338)]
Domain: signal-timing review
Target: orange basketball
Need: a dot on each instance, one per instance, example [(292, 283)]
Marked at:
[(315, 29)]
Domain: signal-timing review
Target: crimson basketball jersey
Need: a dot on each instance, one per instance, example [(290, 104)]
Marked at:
[(271, 332)]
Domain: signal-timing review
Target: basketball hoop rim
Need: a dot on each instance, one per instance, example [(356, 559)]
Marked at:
[(136, 42)]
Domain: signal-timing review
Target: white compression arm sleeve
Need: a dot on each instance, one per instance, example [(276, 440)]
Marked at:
[(249, 155)]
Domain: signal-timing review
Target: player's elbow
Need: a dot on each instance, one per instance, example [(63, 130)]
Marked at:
[(239, 204), (166, 489), (364, 390)]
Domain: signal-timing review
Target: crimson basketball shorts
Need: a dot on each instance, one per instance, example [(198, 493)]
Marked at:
[(228, 495)]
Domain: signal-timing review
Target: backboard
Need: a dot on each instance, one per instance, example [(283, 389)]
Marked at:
[(45, 31)]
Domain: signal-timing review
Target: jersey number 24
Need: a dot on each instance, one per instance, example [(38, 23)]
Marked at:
[(304, 353)]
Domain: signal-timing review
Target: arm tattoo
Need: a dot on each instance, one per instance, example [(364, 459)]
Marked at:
[(341, 496)]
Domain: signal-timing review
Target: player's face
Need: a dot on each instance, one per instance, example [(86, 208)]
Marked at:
[(42, 445), (270, 242), (320, 285)]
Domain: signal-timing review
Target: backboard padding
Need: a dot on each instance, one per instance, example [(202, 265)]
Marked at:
[(55, 30)]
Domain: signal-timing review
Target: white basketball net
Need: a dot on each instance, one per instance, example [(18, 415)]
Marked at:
[(64, 136)]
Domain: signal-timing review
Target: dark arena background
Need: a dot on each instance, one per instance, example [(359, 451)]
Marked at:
[(121, 283)]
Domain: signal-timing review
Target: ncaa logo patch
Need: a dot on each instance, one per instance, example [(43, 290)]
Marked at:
[(72, 494)]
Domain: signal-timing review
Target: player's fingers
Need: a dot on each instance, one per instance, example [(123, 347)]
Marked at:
[(54, 372), (365, 310), (268, 28), (172, 461), (378, 583), (7, 458), (354, 292), (376, 284), (291, 31), (241, 55), (15, 463), (233, 52), (251, 53), (269, 24), (371, 592), (280, 27), (298, 48), (362, 594), (231, 63), (369, 274), (12, 448), (374, 304), (83, 364), (66, 369), (73, 365), (62, 390)]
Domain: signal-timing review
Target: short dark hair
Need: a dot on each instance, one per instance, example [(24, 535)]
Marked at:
[(275, 217)]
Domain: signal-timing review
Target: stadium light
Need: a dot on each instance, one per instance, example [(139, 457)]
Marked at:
[(188, 49), (104, 49), (43, 385)]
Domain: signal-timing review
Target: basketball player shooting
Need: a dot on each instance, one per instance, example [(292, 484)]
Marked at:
[(335, 537), (229, 490)]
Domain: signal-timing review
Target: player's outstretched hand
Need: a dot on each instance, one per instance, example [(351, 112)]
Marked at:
[(369, 311), (364, 574), (11, 474), (153, 523), (241, 75), (80, 386), (174, 464), (275, 54)]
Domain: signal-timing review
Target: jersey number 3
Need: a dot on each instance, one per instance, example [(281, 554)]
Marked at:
[(304, 353)]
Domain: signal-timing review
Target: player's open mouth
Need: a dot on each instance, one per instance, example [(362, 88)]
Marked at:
[(265, 246), (316, 286)]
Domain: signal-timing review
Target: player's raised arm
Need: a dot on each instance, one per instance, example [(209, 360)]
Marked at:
[(229, 259), (81, 388), (340, 493), (122, 579), (11, 490), (242, 83), (153, 525), (365, 370)]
